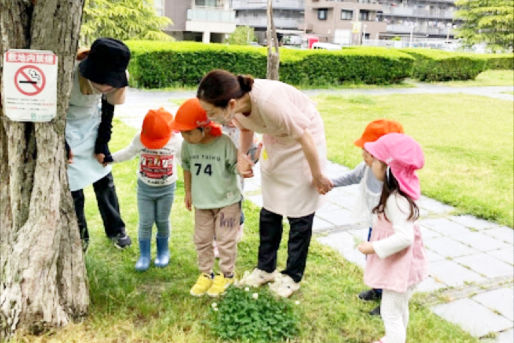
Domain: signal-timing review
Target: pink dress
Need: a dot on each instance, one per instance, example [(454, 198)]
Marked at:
[(399, 271), (282, 114)]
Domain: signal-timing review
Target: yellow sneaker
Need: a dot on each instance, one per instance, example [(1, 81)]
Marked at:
[(219, 285), (203, 283)]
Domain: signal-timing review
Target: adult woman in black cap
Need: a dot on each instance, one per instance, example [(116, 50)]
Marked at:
[(100, 78)]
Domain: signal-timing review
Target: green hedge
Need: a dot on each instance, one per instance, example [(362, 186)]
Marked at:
[(166, 64), (169, 64), (499, 61), (438, 65)]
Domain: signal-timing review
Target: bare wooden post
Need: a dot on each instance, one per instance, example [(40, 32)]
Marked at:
[(273, 52), (43, 281)]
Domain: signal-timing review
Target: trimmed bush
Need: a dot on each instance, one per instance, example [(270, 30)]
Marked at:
[(358, 65), (166, 64), (437, 65), (499, 61), (163, 64)]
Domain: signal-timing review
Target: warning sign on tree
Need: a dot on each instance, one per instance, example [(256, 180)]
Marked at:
[(29, 85)]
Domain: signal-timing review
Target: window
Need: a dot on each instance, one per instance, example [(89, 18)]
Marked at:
[(322, 14), (364, 15), (346, 15)]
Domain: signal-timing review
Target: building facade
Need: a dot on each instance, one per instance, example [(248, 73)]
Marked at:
[(352, 22), (198, 20), (418, 19), (288, 16), (346, 22)]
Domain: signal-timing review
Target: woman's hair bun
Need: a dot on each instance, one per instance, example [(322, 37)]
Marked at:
[(245, 82)]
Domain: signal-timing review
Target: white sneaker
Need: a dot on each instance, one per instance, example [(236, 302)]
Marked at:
[(284, 286), (256, 278)]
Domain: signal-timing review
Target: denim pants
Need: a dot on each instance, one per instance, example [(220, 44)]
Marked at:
[(270, 232), (107, 205), (154, 206)]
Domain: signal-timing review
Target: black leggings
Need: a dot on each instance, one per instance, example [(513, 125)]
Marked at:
[(107, 205), (270, 231)]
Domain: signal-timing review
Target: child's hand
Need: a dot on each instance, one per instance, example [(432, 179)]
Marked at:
[(366, 248), (244, 165), (187, 201)]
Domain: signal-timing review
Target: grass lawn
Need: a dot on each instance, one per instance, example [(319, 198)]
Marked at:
[(467, 140), (155, 306), (486, 78)]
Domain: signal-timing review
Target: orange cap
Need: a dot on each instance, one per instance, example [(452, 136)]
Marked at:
[(156, 130), (376, 129), (191, 115)]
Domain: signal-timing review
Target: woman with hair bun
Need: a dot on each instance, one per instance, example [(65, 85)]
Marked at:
[(292, 164)]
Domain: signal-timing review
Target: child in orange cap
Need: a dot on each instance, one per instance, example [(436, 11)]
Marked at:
[(370, 187), (209, 161), (158, 150)]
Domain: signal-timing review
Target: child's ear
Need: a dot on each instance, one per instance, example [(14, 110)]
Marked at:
[(207, 129)]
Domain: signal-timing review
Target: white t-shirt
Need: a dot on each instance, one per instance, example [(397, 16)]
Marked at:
[(157, 167)]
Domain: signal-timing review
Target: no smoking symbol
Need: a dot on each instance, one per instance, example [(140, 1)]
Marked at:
[(29, 80)]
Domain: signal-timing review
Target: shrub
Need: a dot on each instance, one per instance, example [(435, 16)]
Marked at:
[(164, 64), (499, 61), (254, 317), (437, 65)]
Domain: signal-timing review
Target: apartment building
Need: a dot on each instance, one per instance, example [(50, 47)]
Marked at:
[(198, 20), (288, 16), (346, 22), (418, 19)]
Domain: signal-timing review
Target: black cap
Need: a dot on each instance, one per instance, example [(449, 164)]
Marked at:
[(106, 63)]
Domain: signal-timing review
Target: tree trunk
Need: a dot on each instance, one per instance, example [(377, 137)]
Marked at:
[(43, 281), (273, 53)]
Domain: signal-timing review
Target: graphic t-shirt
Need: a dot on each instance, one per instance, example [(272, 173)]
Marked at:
[(157, 167), (213, 172)]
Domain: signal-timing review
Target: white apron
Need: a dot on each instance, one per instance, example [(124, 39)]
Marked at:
[(82, 122), (287, 187)]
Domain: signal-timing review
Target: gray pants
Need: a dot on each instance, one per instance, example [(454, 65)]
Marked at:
[(154, 206)]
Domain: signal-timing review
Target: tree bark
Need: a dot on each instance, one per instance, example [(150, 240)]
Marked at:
[(273, 61), (43, 281)]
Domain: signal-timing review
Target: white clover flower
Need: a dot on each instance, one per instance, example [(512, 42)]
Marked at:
[(255, 296), (297, 302), (247, 289), (215, 309), (214, 305)]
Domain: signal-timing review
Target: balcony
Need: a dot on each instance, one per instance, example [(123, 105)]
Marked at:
[(261, 5), (280, 22), (219, 20), (417, 13), (418, 30)]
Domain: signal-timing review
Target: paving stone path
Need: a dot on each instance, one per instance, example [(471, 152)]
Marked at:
[(471, 261)]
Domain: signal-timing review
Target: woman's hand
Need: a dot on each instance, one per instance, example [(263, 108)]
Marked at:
[(323, 184), (100, 158), (366, 248), (244, 165), (188, 201), (70, 157)]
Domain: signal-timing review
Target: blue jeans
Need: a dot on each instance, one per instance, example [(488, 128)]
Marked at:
[(154, 206)]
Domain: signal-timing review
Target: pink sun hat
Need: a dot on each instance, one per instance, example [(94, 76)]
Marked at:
[(404, 156)]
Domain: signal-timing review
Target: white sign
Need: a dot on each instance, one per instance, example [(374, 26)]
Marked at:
[(29, 85)]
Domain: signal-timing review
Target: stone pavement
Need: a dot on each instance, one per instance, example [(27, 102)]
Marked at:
[(470, 259), (471, 281)]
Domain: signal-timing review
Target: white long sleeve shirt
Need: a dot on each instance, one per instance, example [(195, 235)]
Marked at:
[(397, 211), (157, 167)]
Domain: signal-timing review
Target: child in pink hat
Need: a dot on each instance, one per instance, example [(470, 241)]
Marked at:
[(396, 259)]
